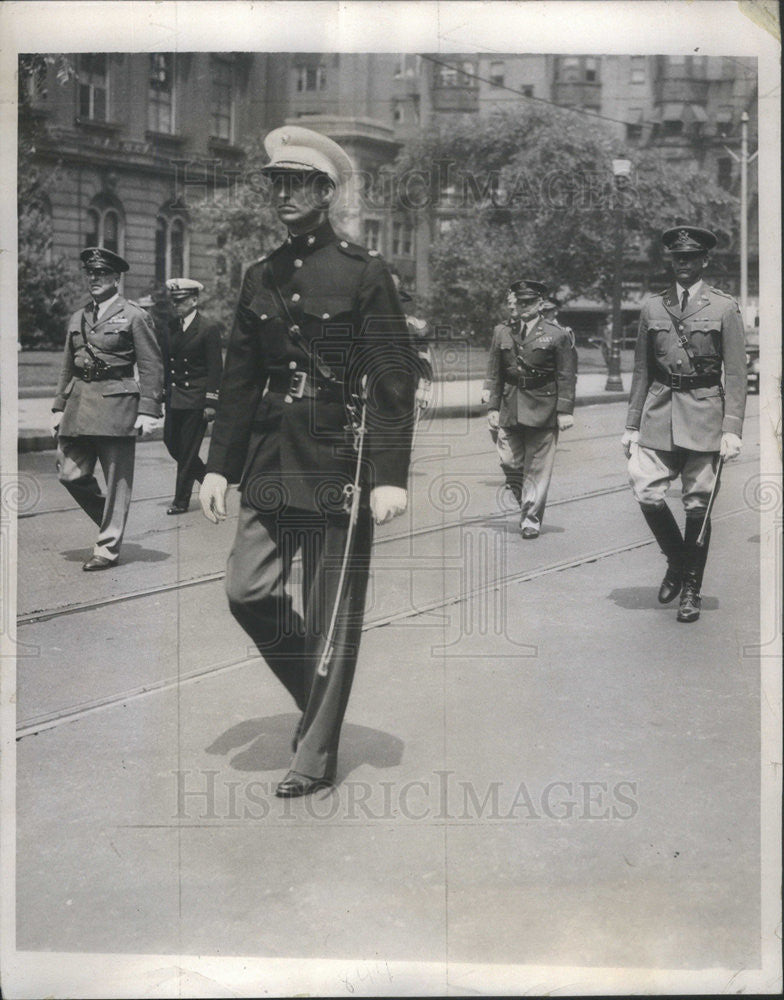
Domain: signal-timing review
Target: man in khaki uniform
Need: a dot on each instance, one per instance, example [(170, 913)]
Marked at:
[(531, 378), (100, 408), (681, 415)]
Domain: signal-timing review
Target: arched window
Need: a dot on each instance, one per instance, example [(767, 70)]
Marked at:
[(105, 226), (171, 247)]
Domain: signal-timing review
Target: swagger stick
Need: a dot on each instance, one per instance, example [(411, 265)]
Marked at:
[(353, 492), (709, 508)]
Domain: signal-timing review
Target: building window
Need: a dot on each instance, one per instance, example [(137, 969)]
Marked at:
[(446, 76), (527, 91), (634, 127), (104, 229), (496, 74), (160, 93), (311, 78), (407, 65), (402, 239), (672, 128), (569, 67), (724, 172), (638, 69), (222, 104), (93, 90), (171, 249), (372, 230), (399, 112), (591, 70), (677, 60)]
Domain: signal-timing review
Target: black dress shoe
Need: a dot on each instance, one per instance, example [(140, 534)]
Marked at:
[(691, 603), (670, 586), (178, 508), (529, 533), (296, 784), (98, 562)]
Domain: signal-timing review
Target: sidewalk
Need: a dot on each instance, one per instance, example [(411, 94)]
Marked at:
[(451, 398)]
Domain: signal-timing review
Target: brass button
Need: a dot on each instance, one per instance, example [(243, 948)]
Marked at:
[(325, 316), (311, 240), (263, 315), (297, 262), (293, 365), (343, 244), (295, 297)]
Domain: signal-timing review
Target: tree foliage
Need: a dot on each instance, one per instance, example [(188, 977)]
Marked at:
[(242, 227), (46, 283), (530, 193)]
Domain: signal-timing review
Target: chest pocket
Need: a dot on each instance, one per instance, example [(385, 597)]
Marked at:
[(112, 337), (328, 307), (662, 338), (705, 337), (264, 305)]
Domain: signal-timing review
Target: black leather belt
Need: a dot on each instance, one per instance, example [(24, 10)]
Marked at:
[(682, 383), (298, 385), (104, 374), (533, 381)]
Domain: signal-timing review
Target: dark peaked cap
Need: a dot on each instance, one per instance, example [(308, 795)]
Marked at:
[(688, 239), (101, 257)]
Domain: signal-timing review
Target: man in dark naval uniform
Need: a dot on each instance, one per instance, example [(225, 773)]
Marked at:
[(318, 329), (531, 377), (681, 415), (100, 408), (193, 371)]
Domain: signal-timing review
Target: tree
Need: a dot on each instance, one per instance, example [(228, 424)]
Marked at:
[(530, 193), (240, 218), (46, 283)]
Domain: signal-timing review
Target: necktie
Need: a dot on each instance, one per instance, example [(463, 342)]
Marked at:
[(685, 299), (95, 313)]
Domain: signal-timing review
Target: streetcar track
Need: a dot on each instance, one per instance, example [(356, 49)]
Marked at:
[(51, 720), (45, 615), (24, 515)]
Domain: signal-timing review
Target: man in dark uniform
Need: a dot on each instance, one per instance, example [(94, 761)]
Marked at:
[(531, 377), (681, 417), (317, 319), (193, 372), (100, 408)]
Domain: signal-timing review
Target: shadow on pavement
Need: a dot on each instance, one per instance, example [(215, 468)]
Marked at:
[(267, 745), (645, 598), (131, 552)]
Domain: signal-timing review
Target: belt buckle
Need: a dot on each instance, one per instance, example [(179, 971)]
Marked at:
[(676, 380), (87, 374), (297, 384)]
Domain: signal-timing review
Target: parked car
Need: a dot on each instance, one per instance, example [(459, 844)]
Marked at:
[(752, 359)]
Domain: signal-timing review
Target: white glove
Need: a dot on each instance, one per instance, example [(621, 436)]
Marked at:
[(145, 425), (386, 502), (423, 393), (629, 438), (565, 421), (730, 446), (54, 422), (485, 397), (493, 417), (212, 497)]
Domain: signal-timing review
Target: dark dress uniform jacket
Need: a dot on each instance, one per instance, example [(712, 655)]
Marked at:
[(193, 371), (123, 336), (696, 418), (298, 453), (547, 347)]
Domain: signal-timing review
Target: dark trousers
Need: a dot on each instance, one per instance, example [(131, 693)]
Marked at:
[(291, 643), (183, 433)]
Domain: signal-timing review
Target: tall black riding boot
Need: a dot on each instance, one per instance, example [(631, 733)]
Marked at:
[(694, 558), (667, 533)]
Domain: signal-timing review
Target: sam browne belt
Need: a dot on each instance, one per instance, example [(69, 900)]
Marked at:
[(103, 372), (297, 384), (682, 383)]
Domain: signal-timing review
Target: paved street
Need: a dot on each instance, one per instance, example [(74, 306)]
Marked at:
[(539, 765)]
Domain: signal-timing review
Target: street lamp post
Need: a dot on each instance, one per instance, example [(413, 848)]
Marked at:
[(621, 170)]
